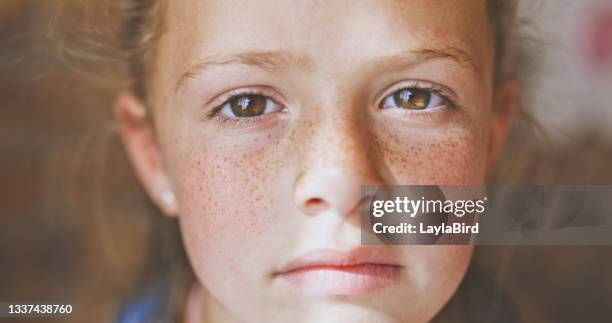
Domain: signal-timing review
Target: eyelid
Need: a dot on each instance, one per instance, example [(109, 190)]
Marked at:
[(446, 93)]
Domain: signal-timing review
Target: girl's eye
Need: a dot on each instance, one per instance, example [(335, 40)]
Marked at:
[(248, 106), (413, 99)]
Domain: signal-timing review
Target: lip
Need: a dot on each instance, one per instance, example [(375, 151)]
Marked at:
[(327, 272)]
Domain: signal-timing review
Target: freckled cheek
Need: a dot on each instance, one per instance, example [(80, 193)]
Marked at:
[(454, 156), (224, 204)]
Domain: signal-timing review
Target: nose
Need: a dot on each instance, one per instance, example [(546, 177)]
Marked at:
[(338, 161)]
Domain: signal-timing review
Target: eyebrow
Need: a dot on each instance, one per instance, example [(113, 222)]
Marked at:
[(279, 60), (415, 57), (267, 60)]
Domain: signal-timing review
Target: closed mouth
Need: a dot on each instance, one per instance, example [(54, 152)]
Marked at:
[(360, 271)]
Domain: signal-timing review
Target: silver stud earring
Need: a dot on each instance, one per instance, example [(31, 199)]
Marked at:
[(168, 198)]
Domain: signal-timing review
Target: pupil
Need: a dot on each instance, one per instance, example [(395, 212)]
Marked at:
[(406, 95), (414, 99), (248, 105), (244, 102)]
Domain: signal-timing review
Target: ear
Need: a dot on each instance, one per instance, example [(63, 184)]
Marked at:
[(138, 136), (505, 102)]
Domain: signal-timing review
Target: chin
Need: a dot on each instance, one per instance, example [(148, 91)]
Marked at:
[(358, 312)]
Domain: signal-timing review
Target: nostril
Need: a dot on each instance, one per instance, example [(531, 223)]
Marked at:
[(315, 205), (315, 201)]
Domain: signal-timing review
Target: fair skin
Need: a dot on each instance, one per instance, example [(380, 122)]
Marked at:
[(254, 193)]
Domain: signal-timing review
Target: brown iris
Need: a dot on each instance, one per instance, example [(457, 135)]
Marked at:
[(412, 98), (246, 106)]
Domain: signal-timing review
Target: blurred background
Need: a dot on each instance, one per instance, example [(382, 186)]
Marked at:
[(54, 136)]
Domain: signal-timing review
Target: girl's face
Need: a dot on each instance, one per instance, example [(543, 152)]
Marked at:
[(270, 115)]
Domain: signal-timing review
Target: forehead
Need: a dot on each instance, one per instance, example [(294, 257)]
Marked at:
[(329, 30)]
